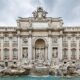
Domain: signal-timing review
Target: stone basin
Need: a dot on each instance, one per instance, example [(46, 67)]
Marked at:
[(40, 70)]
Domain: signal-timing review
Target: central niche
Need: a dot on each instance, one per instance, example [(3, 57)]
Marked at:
[(40, 49)]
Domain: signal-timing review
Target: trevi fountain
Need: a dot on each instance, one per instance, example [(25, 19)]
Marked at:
[(46, 52)]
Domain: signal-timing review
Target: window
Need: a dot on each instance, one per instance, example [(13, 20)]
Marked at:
[(6, 53), (15, 54), (65, 53), (6, 39), (65, 42), (65, 39), (73, 39), (15, 39), (73, 53)]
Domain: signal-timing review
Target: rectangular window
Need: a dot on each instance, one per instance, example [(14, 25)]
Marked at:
[(15, 54), (15, 39), (65, 53), (6, 54), (73, 54), (6, 39)]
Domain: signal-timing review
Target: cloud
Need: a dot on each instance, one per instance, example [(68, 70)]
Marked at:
[(10, 10)]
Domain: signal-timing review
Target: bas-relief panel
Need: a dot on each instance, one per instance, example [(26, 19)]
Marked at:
[(54, 39), (24, 25), (40, 33), (25, 41), (55, 24)]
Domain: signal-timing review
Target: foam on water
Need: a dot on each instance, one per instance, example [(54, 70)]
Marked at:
[(39, 76)]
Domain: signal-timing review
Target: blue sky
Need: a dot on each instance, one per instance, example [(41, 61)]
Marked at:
[(69, 10)]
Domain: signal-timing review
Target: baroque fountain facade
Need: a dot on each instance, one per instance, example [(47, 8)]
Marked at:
[(41, 43)]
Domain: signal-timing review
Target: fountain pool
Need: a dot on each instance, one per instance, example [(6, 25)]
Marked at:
[(38, 78)]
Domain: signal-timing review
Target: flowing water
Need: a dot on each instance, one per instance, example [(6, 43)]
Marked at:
[(38, 78)]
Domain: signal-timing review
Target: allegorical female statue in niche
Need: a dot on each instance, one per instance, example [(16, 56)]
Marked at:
[(55, 53), (25, 53)]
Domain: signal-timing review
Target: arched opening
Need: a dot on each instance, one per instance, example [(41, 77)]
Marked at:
[(40, 49)]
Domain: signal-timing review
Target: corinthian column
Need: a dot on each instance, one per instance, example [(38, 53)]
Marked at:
[(30, 47), (60, 48), (2, 53), (11, 51), (33, 55), (49, 47), (77, 48), (46, 53), (69, 48), (19, 48)]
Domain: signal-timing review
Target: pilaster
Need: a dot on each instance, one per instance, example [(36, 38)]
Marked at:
[(60, 47), (77, 56)]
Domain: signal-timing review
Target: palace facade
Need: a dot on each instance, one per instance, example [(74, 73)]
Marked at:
[(39, 38)]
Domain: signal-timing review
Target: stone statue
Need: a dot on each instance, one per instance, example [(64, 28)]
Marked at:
[(40, 54), (25, 53), (35, 14), (40, 13), (54, 53)]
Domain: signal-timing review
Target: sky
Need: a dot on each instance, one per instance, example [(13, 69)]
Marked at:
[(10, 10)]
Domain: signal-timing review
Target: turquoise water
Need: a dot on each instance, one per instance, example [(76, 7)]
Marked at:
[(38, 78)]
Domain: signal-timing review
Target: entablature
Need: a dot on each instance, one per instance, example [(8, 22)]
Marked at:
[(72, 29), (8, 29)]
